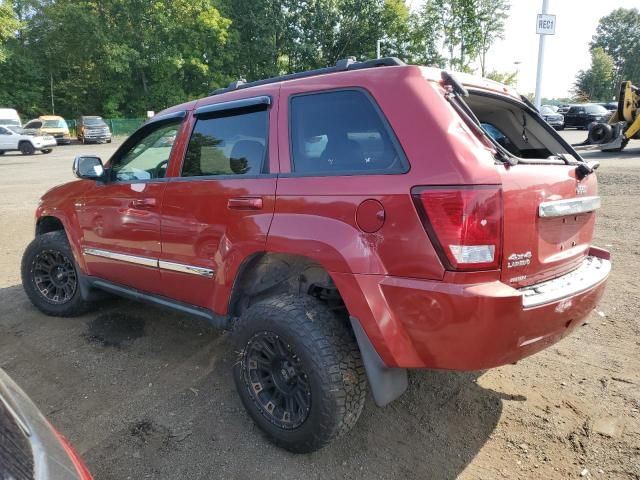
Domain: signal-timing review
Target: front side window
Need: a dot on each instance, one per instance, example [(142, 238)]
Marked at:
[(231, 144), (148, 157), (342, 132)]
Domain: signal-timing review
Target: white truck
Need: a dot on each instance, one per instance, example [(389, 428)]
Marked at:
[(9, 116), (15, 138)]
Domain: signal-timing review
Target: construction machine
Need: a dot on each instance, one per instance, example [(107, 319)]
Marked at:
[(622, 126)]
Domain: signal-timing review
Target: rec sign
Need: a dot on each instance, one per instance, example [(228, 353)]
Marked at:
[(546, 24)]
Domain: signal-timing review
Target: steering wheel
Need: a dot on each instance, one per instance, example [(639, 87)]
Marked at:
[(161, 169)]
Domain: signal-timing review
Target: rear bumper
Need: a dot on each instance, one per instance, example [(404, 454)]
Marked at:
[(431, 324)]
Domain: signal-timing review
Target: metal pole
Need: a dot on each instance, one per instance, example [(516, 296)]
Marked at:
[(537, 100), (378, 43), (53, 107)]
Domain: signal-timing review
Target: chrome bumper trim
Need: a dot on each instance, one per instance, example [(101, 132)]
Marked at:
[(145, 261), (569, 206), (182, 268), (591, 272)]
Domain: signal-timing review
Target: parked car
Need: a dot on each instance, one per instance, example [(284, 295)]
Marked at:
[(15, 138), (563, 109), (30, 447), (580, 116), (9, 116), (92, 129), (556, 120), (346, 224), (51, 125)]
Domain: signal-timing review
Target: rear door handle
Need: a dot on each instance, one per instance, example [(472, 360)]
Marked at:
[(143, 203), (245, 203)]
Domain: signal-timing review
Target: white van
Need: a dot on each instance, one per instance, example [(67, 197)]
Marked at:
[(9, 116)]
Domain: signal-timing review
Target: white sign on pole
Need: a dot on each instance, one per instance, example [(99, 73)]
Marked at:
[(546, 25)]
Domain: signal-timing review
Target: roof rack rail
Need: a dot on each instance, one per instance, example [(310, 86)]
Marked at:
[(340, 66)]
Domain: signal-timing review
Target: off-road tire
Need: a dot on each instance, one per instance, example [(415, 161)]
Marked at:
[(328, 355), (26, 148), (1, 152), (57, 243)]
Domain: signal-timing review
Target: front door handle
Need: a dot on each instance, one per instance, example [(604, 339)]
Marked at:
[(143, 203), (245, 203)]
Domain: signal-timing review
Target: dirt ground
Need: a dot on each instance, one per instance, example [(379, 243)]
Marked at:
[(142, 393)]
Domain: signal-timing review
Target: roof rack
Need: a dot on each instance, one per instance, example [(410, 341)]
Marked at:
[(340, 66)]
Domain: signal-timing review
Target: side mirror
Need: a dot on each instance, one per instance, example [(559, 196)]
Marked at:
[(88, 167)]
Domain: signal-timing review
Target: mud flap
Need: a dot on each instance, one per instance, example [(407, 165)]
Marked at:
[(387, 384)]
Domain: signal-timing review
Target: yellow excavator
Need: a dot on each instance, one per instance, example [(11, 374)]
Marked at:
[(623, 125)]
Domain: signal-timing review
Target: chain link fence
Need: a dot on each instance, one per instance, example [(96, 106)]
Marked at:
[(118, 126)]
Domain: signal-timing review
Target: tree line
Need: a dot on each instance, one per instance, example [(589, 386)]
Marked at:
[(615, 57), (120, 58)]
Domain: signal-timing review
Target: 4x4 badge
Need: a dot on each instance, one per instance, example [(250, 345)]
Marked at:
[(519, 260), (581, 189)]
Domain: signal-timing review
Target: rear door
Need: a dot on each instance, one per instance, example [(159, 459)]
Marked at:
[(218, 208)]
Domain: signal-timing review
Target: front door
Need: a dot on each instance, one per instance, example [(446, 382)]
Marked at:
[(120, 218), (218, 209)]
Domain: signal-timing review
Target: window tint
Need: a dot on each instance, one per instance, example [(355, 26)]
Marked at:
[(234, 144), (148, 157), (4, 131), (341, 132)]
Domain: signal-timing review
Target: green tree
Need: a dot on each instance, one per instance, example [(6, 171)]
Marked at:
[(460, 26), (425, 37), (491, 17), (508, 78), (9, 25), (597, 83), (123, 57), (619, 35)]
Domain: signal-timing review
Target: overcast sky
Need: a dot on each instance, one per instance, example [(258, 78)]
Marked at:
[(565, 53)]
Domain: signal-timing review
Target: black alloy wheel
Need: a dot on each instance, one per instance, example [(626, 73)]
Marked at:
[(54, 276), (278, 384)]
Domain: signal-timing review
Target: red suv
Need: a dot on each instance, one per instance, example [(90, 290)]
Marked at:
[(346, 224)]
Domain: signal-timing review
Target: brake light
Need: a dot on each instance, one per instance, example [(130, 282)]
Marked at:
[(465, 224)]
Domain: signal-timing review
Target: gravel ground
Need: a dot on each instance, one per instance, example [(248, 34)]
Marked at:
[(142, 393)]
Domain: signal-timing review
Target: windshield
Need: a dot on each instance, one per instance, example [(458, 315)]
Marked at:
[(8, 121), (94, 121), (54, 124), (547, 111), (18, 130)]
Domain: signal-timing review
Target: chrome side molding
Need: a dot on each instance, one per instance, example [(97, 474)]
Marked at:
[(151, 262), (145, 261), (569, 206), (182, 268)]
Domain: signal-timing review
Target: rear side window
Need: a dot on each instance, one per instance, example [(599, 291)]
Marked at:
[(234, 144), (341, 133)]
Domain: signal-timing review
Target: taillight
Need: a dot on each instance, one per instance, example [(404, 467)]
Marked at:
[(464, 223)]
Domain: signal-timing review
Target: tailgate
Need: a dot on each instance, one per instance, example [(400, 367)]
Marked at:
[(537, 246)]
